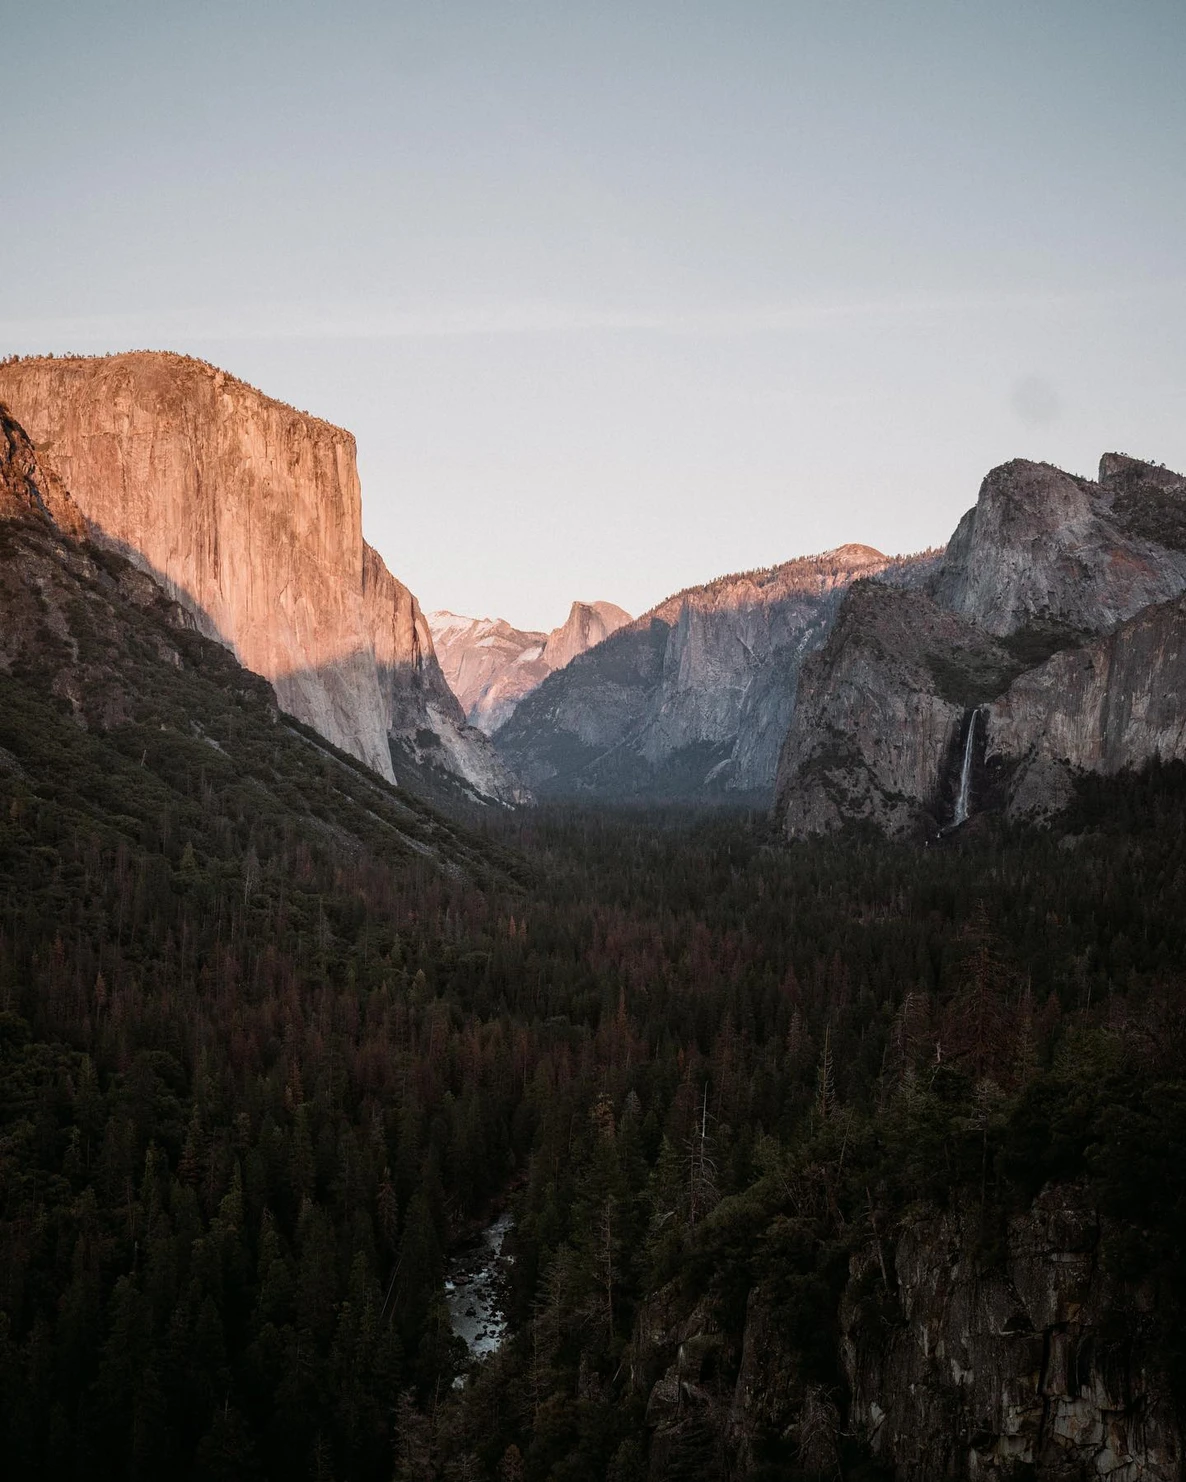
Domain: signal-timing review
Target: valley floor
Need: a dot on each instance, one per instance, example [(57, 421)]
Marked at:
[(269, 1043)]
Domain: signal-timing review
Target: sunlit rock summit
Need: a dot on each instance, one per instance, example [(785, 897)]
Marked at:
[(249, 514)]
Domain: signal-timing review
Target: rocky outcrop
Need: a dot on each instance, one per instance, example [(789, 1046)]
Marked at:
[(1116, 702), (1044, 546), (690, 698), (953, 1364), (249, 514), (425, 726), (28, 488), (491, 666), (111, 698), (1049, 633), (488, 664), (85, 626), (881, 712), (1000, 1371), (587, 625)]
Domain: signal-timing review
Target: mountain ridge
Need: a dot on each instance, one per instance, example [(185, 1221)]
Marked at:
[(491, 665), (693, 697), (1049, 577)]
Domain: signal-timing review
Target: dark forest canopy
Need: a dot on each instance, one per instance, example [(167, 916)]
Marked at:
[(262, 1059)]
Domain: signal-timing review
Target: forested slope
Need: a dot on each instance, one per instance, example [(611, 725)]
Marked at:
[(272, 1035), (246, 1110)]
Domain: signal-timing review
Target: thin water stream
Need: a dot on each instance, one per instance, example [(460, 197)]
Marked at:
[(474, 1281), (963, 801)]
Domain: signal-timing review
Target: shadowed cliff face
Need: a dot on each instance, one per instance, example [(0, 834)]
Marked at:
[(879, 712), (992, 1372), (1113, 703), (954, 1365), (1042, 545), (1056, 614), (105, 681), (249, 514), (693, 696), (491, 666)]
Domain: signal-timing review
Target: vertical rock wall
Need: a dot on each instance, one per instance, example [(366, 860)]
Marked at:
[(1010, 1370), (954, 1364), (692, 697), (250, 514), (1056, 611)]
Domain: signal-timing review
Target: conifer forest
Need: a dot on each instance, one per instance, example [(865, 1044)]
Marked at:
[(265, 1061)]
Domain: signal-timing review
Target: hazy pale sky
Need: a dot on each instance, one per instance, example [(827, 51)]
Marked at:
[(619, 297)]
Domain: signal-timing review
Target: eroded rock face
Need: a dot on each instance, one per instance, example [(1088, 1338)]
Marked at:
[(85, 626), (1007, 1371), (673, 1356), (1114, 703), (28, 487), (693, 696), (491, 666), (410, 676), (587, 625), (953, 1366), (1054, 620), (249, 514), (880, 714), (1044, 546)]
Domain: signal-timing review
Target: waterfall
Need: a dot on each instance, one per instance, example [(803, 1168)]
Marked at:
[(963, 797)]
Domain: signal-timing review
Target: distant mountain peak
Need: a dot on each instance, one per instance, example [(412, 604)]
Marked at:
[(491, 665), (856, 554)]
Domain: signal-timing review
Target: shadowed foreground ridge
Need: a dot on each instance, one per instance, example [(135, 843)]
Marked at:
[(102, 653)]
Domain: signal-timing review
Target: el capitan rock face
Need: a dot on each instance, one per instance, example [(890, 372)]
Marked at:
[(249, 514), (491, 665), (1053, 625), (693, 696)]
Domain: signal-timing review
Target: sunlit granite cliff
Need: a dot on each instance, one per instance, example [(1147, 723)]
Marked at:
[(249, 514), (28, 488), (1049, 643)]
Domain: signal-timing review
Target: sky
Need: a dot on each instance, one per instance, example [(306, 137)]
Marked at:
[(615, 297)]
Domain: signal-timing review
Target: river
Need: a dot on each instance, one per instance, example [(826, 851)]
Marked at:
[(473, 1290)]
